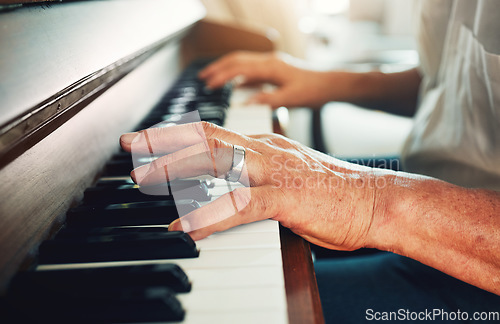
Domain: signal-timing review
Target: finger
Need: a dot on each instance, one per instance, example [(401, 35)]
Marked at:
[(278, 98), (212, 68), (165, 168), (250, 83), (160, 141), (220, 79), (222, 63), (239, 64), (244, 73), (241, 206), (163, 140), (213, 158)]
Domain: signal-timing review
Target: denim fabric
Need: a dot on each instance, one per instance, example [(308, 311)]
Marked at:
[(384, 282)]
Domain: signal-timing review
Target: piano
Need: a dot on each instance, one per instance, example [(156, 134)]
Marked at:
[(74, 77)]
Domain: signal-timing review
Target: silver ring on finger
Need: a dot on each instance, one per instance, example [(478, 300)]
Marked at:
[(234, 173)]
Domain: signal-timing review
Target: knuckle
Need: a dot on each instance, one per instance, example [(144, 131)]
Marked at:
[(265, 171), (241, 197), (263, 203), (258, 140), (281, 142), (210, 147), (216, 145), (207, 128), (220, 155)]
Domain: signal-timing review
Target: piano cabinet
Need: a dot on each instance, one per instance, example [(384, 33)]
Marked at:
[(71, 86)]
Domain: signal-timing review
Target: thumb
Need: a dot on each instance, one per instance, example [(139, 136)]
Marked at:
[(241, 206)]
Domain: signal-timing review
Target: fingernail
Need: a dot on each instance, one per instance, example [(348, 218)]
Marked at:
[(129, 137), (175, 226), (138, 174)]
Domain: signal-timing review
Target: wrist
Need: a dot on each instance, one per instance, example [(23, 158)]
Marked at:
[(390, 205), (324, 86), (343, 85)]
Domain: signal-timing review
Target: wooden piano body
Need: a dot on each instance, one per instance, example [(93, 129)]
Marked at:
[(73, 77)]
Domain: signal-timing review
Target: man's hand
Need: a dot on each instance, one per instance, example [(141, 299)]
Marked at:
[(295, 86), (326, 201), (329, 202), (298, 86)]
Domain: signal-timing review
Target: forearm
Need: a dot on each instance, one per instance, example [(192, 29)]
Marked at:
[(392, 92), (452, 229)]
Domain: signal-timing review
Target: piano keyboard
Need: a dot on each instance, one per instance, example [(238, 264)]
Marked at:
[(235, 276)]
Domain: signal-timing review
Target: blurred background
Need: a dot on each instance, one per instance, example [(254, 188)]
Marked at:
[(360, 35)]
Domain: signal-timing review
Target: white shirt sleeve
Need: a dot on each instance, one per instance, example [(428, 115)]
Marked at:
[(456, 132)]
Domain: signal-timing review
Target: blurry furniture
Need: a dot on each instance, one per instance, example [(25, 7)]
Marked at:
[(280, 15)]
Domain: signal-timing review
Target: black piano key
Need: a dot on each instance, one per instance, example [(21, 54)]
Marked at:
[(122, 194), (118, 168), (122, 166), (114, 182), (183, 189), (221, 95), (214, 121), (93, 280), (122, 247), (130, 214), (126, 305), (177, 184), (73, 232), (122, 155), (216, 116), (208, 111), (188, 92), (131, 193), (176, 106), (127, 156)]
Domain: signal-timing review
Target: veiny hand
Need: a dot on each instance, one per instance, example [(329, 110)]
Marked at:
[(326, 201), (296, 86)]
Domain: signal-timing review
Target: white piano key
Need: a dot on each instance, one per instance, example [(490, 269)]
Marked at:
[(218, 191), (240, 317), (222, 187), (263, 226), (230, 300), (231, 306), (248, 119), (232, 258), (266, 276), (219, 182), (239, 241), (208, 259)]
